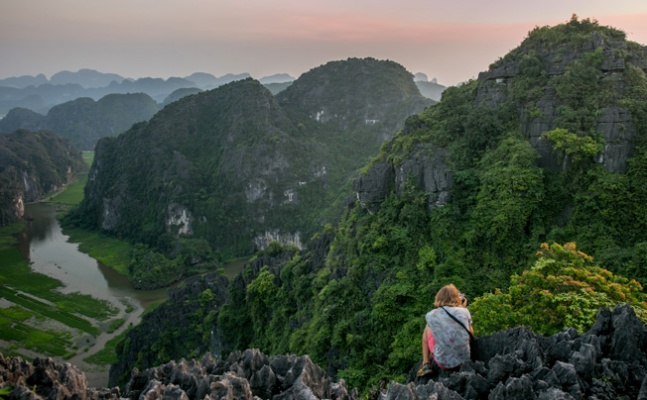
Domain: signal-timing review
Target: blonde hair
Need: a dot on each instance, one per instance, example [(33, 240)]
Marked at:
[(448, 296)]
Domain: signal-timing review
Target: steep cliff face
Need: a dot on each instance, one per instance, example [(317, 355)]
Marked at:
[(614, 62), (84, 121), (33, 164), (241, 168), (427, 166), (577, 76), (210, 165)]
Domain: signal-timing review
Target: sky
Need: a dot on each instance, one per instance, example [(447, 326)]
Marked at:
[(450, 40)]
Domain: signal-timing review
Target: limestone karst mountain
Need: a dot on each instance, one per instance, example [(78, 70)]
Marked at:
[(547, 145), (33, 164), (240, 168), (84, 121)]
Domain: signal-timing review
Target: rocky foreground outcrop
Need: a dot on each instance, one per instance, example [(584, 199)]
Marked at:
[(607, 362)]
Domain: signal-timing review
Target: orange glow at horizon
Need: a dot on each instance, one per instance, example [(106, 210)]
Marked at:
[(451, 41)]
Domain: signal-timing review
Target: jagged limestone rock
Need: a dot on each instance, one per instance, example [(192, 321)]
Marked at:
[(607, 362)]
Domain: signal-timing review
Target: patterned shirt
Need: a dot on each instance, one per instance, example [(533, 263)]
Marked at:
[(452, 341)]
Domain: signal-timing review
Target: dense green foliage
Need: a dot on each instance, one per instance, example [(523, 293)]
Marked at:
[(359, 310), (564, 288), (33, 164), (524, 151), (195, 306), (507, 196), (234, 165)]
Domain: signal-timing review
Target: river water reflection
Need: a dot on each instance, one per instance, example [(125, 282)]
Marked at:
[(49, 252)]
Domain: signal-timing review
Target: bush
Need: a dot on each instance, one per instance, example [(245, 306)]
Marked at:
[(564, 288)]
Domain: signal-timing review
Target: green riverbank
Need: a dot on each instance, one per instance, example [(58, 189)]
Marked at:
[(36, 317)]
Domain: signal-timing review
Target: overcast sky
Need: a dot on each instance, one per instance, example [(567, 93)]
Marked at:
[(451, 40)]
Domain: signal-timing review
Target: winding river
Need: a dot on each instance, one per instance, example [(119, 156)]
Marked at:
[(50, 253)]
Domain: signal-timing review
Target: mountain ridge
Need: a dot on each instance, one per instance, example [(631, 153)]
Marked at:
[(83, 120), (39, 94), (269, 157), (460, 195)]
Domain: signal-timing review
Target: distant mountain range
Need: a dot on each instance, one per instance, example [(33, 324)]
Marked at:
[(92, 79), (84, 121), (39, 94)]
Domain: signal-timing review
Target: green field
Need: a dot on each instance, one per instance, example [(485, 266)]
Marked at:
[(14, 327), (35, 298), (108, 250), (108, 355), (8, 234), (73, 193)]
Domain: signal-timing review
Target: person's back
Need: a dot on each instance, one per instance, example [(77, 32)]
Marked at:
[(446, 339), (452, 346)]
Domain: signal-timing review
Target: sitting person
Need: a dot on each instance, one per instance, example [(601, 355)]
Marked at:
[(444, 339)]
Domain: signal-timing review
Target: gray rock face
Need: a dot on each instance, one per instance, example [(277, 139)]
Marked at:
[(12, 205), (33, 164), (429, 170), (247, 375), (46, 379), (426, 167), (614, 123), (617, 127), (371, 189)]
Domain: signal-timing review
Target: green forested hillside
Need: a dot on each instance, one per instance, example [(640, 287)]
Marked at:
[(232, 169), (547, 146), (84, 121), (33, 164)]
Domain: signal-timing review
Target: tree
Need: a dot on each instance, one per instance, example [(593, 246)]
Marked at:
[(573, 146), (564, 288)]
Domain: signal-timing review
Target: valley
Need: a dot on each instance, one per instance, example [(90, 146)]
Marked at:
[(58, 301), (349, 201)]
